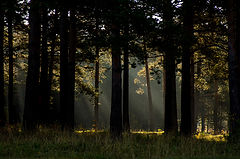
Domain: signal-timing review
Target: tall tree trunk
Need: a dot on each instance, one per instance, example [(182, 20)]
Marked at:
[(52, 55), (186, 94), (32, 82), (216, 110), (11, 109), (63, 66), (170, 96), (193, 109), (203, 118), (199, 103), (234, 67), (71, 69), (150, 105), (170, 122), (163, 85), (2, 112), (126, 123), (96, 102), (116, 101), (44, 95)]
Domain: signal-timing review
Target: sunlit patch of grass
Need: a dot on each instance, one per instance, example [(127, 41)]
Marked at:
[(210, 137), (159, 132), (88, 131)]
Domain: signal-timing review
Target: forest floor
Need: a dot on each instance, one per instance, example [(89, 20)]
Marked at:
[(52, 144)]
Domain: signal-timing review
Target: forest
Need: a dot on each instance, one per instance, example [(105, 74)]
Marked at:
[(120, 79)]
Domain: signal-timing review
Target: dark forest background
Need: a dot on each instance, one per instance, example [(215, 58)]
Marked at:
[(121, 64)]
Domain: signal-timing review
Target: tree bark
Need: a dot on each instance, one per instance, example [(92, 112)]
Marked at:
[(234, 67), (170, 96), (199, 103), (203, 118), (32, 82), (96, 102), (216, 108), (170, 122), (44, 95), (187, 107), (71, 69), (193, 108), (63, 66), (116, 100), (2, 112), (126, 123), (52, 58), (13, 119), (150, 105)]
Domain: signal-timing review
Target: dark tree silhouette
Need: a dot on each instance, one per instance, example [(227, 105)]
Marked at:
[(170, 67), (32, 82), (116, 101), (126, 123), (96, 102), (187, 108), (71, 68), (2, 112), (234, 67), (63, 65), (44, 95), (52, 59)]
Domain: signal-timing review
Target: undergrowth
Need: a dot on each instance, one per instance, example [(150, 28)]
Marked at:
[(54, 144)]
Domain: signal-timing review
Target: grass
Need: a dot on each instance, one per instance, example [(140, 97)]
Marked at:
[(52, 144)]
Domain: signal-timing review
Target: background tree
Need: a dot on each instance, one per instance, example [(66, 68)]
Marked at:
[(97, 47), (11, 109)]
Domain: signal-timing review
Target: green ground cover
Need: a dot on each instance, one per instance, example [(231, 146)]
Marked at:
[(51, 144)]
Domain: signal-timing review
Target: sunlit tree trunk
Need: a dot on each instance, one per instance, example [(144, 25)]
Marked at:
[(2, 113), (63, 66), (203, 119), (52, 55), (170, 122), (150, 105), (187, 105), (216, 108), (116, 101), (11, 107), (163, 82), (32, 82), (234, 67), (199, 103)]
